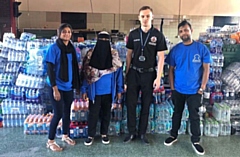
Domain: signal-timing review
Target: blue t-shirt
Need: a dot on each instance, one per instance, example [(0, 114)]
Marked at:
[(103, 85), (53, 56), (188, 62)]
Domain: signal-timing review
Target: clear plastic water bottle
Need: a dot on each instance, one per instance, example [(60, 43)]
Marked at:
[(17, 107), (231, 94), (77, 132), (221, 60), (151, 111), (163, 96), (9, 54), (3, 107), (16, 120), (8, 106), (117, 128), (119, 112), (5, 120), (159, 97), (155, 100), (11, 120), (27, 107), (226, 93), (22, 108)]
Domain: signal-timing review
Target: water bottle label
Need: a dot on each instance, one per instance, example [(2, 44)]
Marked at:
[(206, 95), (73, 114), (80, 131)]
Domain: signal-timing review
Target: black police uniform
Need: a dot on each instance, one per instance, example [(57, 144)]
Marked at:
[(142, 74)]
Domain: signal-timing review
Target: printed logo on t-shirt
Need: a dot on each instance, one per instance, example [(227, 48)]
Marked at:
[(153, 39), (135, 40), (196, 58)]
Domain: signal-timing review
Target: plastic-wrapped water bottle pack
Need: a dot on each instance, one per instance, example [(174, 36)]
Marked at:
[(231, 76)]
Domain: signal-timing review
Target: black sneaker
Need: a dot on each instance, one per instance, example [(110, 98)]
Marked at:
[(105, 139), (129, 138), (170, 140), (88, 141), (198, 148)]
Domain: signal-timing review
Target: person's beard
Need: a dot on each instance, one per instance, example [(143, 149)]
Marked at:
[(186, 39)]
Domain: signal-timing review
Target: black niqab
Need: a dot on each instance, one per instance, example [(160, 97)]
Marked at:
[(101, 58)]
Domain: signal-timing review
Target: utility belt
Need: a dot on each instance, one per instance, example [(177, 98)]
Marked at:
[(142, 70)]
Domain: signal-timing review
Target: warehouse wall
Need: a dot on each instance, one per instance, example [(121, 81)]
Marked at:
[(123, 22), (187, 7), (120, 14)]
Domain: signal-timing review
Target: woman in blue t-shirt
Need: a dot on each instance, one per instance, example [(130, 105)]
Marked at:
[(103, 84), (63, 76)]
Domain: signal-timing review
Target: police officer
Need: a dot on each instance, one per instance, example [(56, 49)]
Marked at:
[(144, 44)]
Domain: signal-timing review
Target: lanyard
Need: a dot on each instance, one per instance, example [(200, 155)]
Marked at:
[(143, 45)]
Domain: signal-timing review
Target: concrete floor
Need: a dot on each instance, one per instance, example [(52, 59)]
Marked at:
[(15, 144)]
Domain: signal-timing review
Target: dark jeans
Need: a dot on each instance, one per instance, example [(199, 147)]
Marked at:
[(101, 104), (135, 82), (61, 109), (193, 102)]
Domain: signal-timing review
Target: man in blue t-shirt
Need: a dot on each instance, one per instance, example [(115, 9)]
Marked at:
[(189, 63)]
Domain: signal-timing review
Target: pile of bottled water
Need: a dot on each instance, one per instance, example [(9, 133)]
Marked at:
[(76, 131), (79, 119), (214, 84), (22, 77), (37, 124), (160, 115), (163, 118), (122, 50), (231, 76), (79, 111), (221, 112), (214, 128)]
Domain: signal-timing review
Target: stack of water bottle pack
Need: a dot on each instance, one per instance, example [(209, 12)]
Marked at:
[(23, 77), (231, 77), (163, 117), (37, 124), (219, 123), (218, 104), (116, 119), (122, 50), (160, 114), (215, 83), (79, 117), (14, 52)]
